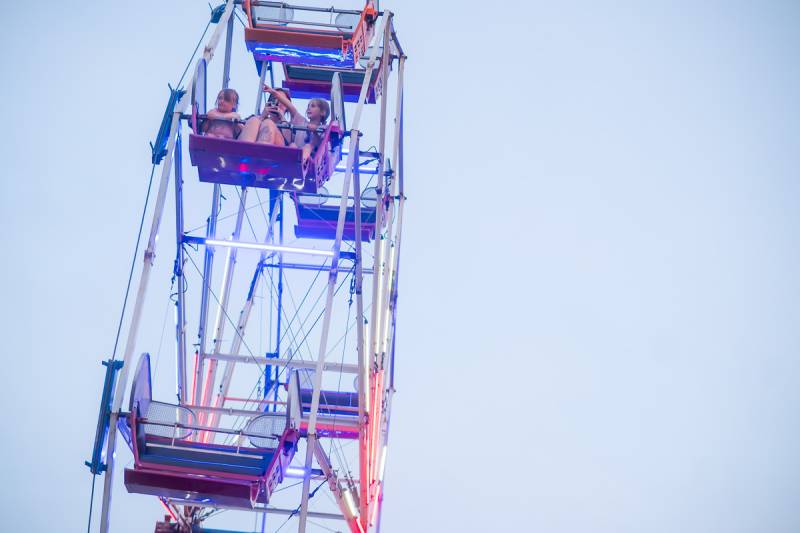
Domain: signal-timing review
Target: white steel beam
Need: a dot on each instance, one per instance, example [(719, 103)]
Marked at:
[(208, 269), (287, 363), (180, 260)]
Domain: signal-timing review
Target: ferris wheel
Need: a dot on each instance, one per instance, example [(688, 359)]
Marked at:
[(282, 403)]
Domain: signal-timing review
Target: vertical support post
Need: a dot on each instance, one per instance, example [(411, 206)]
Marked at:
[(180, 302), (280, 276), (226, 69), (400, 208), (149, 256), (265, 65), (386, 208), (363, 362), (378, 283), (208, 267), (312, 420), (394, 245)]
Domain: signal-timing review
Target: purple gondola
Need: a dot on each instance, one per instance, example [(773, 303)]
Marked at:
[(170, 460), (247, 164), (317, 220)]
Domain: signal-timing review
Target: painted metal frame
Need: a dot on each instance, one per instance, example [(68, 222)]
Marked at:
[(360, 501)]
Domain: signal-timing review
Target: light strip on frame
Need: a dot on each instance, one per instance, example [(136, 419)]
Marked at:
[(268, 247), (294, 471), (348, 500)]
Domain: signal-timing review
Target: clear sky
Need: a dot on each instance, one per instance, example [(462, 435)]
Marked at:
[(599, 313)]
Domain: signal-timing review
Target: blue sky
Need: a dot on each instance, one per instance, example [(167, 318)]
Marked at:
[(598, 313)]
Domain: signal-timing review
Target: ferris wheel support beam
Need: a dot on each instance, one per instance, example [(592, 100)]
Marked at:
[(222, 307), (393, 263), (279, 311), (208, 387), (148, 259), (398, 194), (211, 233), (208, 268), (363, 361), (352, 160), (400, 209), (378, 288), (259, 509), (147, 264), (311, 438), (265, 65), (180, 260)]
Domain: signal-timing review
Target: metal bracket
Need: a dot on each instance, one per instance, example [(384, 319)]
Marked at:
[(216, 13), (96, 465)]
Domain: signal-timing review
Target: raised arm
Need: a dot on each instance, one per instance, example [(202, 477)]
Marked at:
[(281, 97)]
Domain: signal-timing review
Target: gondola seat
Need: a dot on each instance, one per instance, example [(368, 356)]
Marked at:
[(248, 164)]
